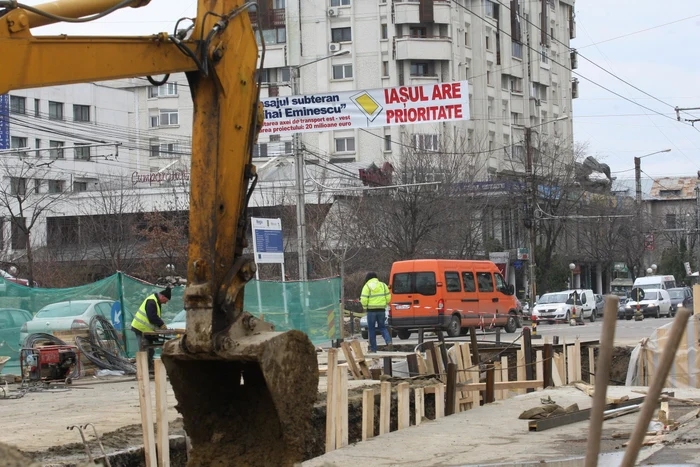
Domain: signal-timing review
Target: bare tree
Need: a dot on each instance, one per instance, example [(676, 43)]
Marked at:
[(29, 191)]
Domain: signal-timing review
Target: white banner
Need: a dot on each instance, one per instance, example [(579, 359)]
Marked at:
[(371, 108), (268, 243)]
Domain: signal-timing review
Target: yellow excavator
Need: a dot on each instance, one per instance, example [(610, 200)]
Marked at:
[(245, 392)]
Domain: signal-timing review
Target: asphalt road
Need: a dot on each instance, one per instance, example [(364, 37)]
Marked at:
[(626, 332)]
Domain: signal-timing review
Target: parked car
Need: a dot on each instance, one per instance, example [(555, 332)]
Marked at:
[(11, 321), (66, 316), (656, 303), (599, 304), (450, 295), (10, 278), (365, 332), (655, 282), (681, 297), (179, 321), (557, 306), (621, 309)]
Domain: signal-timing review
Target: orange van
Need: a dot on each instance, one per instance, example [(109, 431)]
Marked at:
[(449, 295)]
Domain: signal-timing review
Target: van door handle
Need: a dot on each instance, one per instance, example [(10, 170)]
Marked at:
[(494, 299), (415, 302)]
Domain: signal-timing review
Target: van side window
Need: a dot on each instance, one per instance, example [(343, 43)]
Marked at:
[(485, 281), (401, 283), (468, 279), (500, 283), (452, 282), (425, 283), (583, 298)]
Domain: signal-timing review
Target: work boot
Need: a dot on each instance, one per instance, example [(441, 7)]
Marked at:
[(390, 347)]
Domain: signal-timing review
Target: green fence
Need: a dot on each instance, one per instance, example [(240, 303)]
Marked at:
[(312, 307)]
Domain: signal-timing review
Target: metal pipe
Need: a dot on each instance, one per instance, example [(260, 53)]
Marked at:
[(74, 9)]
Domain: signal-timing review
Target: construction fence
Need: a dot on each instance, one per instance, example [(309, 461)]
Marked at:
[(312, 307)]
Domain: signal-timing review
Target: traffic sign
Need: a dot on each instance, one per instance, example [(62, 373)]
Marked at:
[(268, 243), (117, 315), (637, 294)]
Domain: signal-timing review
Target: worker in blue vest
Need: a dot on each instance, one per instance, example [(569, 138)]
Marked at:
[(147, 319)]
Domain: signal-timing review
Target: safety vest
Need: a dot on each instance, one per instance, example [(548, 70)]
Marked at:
[(140, 321), (375, 295)]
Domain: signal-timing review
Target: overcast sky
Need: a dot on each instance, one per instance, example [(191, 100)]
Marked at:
[(663, 61)]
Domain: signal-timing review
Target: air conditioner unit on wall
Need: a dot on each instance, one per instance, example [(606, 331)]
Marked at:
[(332, 12), (334, 47)]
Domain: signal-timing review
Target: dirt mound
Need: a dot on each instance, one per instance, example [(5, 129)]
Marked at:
[(11, 457)]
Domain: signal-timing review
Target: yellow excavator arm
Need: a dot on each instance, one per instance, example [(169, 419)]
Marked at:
[(245, 392)]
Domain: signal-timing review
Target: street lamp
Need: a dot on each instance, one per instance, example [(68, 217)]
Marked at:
[(299, 172), (649, 271), (638, 172), (572, 266)]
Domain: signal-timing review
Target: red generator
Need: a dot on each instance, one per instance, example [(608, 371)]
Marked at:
[(49, 364)]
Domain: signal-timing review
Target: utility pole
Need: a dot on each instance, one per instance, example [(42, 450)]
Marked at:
[(532, 200), (299, 179), (697, 222), (638, 180)]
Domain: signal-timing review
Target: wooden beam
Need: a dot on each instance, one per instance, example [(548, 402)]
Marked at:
[(144, 384), (354, 369), (422, 367), (475, 346), (520, 370), (490, 394), (412, 360), (385, 408), (571, 364), (591, 365), (557, 364), (577, 359), (548, 363), (330, 398), (579, 416), (162, 438), (403, 391), (439, 400), (504, 377), (539, 366), (341, 412), (360, 358), (430, 361), (504, 385), (498, 377), (450, 406), (367, 414), (419, 402)]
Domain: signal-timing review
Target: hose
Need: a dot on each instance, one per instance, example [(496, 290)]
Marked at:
[(105, 347)]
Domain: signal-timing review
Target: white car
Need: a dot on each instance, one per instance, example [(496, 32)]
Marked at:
[(66, 316), (558, 306), (365, 332), (656, 303), (179, 321)]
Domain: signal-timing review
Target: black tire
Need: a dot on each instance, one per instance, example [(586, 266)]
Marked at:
[(592, 318), (628, 318), (404, 334), (519, 321), (454, 327), (511, 326), (568, 317), (658, 313), (365, 334), (551, 322)]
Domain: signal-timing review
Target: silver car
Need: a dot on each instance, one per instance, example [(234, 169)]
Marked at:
[(66, 316)]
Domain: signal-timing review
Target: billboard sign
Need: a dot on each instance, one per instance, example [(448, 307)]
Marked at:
[(4, 121), (268, 244), (370, 108)]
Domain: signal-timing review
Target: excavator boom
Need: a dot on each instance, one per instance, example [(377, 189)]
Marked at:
[(245, 392)]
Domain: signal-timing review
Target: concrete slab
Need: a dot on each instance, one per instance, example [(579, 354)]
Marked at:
[(492, 434)]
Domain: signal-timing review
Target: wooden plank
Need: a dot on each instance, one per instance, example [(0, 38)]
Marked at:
[(354, 369), (367, 414), (504, 376), (360, 358), (403, 391), (422, 367), (680, 365), (475, 346), (330, 398), (520, 371), (472, 399), (412, 361), (591, 365), (419, 402), (144, 384), (581, 415), (571, 364), (539, 367), (461, 375), (429, 361), (439, 400), (564, 357), (490, 393), (385, 408), (162, 439), (548, 363), (505, 385), (577, 359), (441, 365), (450, 406), (498, 377), (341, 411), (432, 352), (556, 370)]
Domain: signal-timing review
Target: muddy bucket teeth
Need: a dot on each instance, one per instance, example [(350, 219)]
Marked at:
[(250, 404)]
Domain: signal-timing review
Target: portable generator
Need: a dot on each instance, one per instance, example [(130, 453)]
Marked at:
[(49, 363)]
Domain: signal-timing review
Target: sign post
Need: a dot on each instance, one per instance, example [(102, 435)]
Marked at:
[(268, 247)]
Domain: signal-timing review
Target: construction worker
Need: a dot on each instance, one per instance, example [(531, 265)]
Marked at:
[(375, 298), (147, 319)]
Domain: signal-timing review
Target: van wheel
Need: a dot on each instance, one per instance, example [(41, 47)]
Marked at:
[(404, 334), (592, 317), (511, 325), (454, 327)]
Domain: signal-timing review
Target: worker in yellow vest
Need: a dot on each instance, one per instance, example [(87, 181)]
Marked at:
[(147, 319)]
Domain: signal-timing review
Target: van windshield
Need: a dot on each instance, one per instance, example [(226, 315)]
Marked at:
[(650, 286), (651, 296), (422, 283), (553, 298)]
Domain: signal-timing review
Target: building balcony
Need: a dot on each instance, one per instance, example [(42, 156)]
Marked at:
[(408, 12), (274, 18), (423, 48)]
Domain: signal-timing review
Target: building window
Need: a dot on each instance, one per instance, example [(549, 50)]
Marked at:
[(260, 150), (387, 142), (385, 69), (36, 108), (37, 186), (168, 150), (154, 148), (55, 110), (56, 186), (18, 104), (345, 144), (37, 146), (18, 186), (168, 89), (517, 50), (81, 113), (489, 109), (385, 32), (284, 75), (287, 147), (273, 36), (154, 121), (671, 221), (425, 142), (488, 41), (19, 234), (489, 8), (340, 2), (56, 151), (516, 84), (421, 69), (514, 118), (342, 71), (82, 151), (341, 35), (467, 40), (545, 58), (418, 32), (488, 77), (168, 118), (18, 142), (79, 186)]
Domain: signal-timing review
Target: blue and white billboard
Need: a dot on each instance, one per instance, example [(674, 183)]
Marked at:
[(268, 243), (4, 121)]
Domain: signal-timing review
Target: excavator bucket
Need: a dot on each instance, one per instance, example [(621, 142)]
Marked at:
[(250, 402)]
